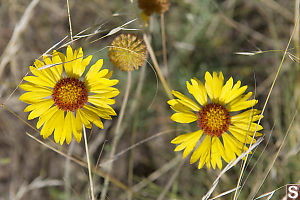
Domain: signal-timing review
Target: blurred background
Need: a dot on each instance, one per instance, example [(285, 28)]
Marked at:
[(201, 35)]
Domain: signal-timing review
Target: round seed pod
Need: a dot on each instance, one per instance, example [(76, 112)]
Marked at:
[(127, 52), (151, 6)]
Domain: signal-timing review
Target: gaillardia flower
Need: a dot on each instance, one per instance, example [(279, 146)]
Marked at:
[(127, 52), (64, 97), (223, 125)]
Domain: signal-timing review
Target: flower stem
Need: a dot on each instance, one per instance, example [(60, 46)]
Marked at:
[(156, 66), (88, 163), (117, 135), (163, 38)]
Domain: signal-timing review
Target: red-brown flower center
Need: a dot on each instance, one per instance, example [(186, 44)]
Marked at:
[(214, 119), (69, 94)]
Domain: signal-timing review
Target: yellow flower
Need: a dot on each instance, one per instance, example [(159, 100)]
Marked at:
[(63, 97), (223, 125)]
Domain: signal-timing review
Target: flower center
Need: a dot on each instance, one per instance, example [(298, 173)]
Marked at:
[(70, 94), (214, 119)]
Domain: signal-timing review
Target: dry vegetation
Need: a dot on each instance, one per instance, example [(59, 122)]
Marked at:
[(201, 35)]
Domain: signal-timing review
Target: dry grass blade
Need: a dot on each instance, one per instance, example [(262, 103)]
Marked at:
[(170, 182), (95, 170), (224, 193), (12, 47), (115, 30), (229, 166), (116, 156), (277, 153), (36, 184), (158, 173), (267, 99), (269, 194)]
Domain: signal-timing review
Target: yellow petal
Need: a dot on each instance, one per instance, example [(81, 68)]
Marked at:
[(57, 69), (85, 121), (40, 108), (91, 116), (228, 150), (39, 81), (214, 85), (46, 116), (244, 138), (247, 116), (78, 69), (106, 95), (188, 143), (38, 105), (209, 85), (94, 69), (34, 97), (77, 126), (177, 106), (100, 83), (186, 101), (217, 150), (50, 124), (217, 84), (251, 127), (60, 121), (69, 62), (104, 90), (197, 89), (67, 129), (184, 117), (48, 128), (201, 150), (27, 86), (241, 103), (42, 71), (226, 90), (187, 136), (230, 93), (101, 102)]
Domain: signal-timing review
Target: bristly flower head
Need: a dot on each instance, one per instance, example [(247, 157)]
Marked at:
[(63, 98), (221, 122), (151, 6), (127, 52)]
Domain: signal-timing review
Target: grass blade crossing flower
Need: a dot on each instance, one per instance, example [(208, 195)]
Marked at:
[(223, 126), (63, 97)]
